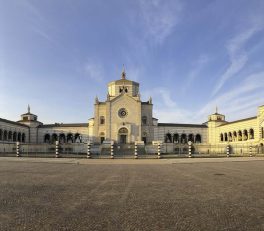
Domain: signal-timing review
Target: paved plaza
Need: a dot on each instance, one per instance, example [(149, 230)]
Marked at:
[(184, 194)]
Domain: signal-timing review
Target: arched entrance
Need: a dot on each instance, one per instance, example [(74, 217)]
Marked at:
[(122, 135)]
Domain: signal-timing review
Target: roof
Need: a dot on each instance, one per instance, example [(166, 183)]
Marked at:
[(12, 122), (182, 125), (146, 103), (28, 113), (217, 114), (64, 125), (124, 81), (237, 121)]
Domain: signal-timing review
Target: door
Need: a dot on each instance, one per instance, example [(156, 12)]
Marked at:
[(123, 139)]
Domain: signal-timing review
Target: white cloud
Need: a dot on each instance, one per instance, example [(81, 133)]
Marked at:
[(237, 54), (195, 71), (245, 97), (159, 18)]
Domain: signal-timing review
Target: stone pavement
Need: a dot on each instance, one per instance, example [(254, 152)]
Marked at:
[(175, 194)]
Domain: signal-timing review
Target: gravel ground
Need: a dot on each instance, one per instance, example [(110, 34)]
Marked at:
[(166, 196)]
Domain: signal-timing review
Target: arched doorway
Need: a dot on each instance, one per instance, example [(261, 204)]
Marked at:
[(122, 134), (144, 137), (102, 137)]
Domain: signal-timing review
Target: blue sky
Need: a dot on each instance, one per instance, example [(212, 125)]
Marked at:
[(189, 55)]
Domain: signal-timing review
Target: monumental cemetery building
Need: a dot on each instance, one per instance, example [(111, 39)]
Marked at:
[(124, 118)]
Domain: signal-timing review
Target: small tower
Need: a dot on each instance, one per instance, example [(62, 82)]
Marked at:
[(32, 122), (214, 120)]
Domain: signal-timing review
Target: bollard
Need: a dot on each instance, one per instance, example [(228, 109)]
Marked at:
[(57, 155), (136, 154), (159, 154), (190, 149), (250, 151), (18, 149), (227, 151), (88, 150), (112, 150)]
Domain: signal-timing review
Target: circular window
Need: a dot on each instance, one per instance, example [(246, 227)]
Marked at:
[(122, 112)]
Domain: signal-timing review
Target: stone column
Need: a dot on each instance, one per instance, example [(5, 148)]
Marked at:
[(17, 149)]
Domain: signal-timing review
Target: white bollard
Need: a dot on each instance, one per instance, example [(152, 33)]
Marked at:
[(17, 149), (227, 151), (250, 151), (57, 155), (136, 154), (159, 153), (112, 150), (190, 149), (88, 150)]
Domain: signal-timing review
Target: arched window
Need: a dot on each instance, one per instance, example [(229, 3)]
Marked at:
[(230, 138), (102, 120), (5, 136), (190, 138), (19, 137), (62, 138), (245, 135), (198, 138), (225, 136), (77, 138), (69, 138), (144, 120), (168, 138), (1, 134), (47, 138), (239, 136), (54, 138), (221, 137), (234, 136), (9, 136), (183, 138), (14, 136), (251, 133), (176, 138), (23, 138)]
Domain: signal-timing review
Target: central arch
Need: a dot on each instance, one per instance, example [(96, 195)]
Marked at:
[(122, 135)]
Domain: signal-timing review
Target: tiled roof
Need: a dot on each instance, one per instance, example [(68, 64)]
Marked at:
[(182, 125), (236, 121), (13, 122), (64, 125)]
